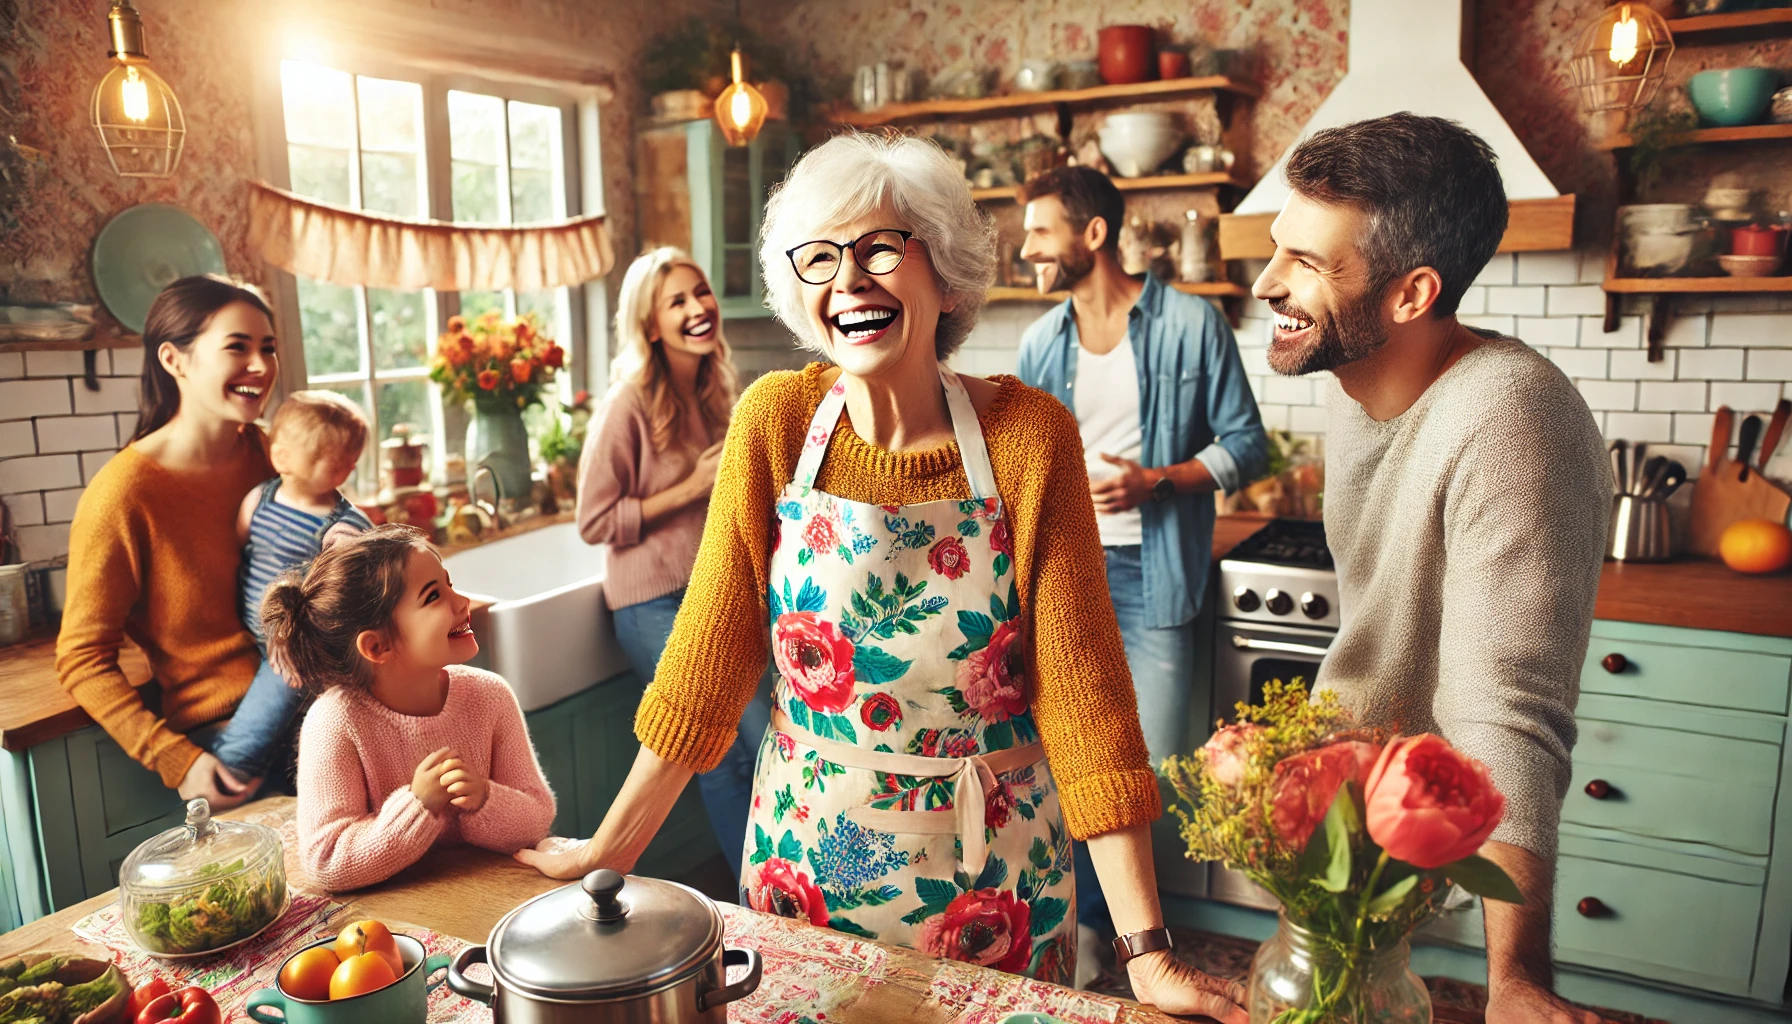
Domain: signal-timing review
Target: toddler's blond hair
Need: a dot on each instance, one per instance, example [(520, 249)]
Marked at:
[(319, 421)]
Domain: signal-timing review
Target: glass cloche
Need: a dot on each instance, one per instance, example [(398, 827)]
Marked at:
[(202, 886)]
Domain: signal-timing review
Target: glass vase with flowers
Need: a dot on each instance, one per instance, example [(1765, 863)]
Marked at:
[(500, 367)]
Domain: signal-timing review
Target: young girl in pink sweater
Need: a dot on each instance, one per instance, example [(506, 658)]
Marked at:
[(405, 747)]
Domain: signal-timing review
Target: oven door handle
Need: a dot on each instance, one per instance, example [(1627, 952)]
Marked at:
[(1245, 643)]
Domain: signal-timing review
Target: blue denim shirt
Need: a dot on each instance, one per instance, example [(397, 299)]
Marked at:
[(1194, 403)]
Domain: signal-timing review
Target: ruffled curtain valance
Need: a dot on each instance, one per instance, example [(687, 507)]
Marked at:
[(348, 247)]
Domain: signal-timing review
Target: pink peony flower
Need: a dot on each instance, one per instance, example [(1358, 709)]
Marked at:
[(1304, 786), (821, 534), (949, 558), (779, 888), (1430, 804), (992, 679), (815, 658), (986, 927), (1227, 753)]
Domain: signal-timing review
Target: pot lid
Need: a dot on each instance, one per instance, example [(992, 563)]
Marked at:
[(607, 937)]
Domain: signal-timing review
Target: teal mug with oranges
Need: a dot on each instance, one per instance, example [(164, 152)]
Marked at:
[(405, 1001)]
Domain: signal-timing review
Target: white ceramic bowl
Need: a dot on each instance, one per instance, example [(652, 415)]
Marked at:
[(1750, 266), (1651, 218), (1136, 143)]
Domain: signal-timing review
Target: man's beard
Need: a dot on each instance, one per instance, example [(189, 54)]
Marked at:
[(1073, 264), (1354, 332)]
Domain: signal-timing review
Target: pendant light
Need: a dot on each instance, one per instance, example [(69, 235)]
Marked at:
[(740, 109), (136, 113), (1621, 58)]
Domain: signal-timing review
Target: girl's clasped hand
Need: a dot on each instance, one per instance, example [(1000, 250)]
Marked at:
[(443, 780)]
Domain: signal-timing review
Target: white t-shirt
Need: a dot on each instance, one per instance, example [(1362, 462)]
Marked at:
[(1106, 397)]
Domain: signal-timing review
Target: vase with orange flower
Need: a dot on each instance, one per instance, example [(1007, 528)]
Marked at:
[(1359, 837), (500, 368)]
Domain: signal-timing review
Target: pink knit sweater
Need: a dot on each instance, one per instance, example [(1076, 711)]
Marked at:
[(359, 823)]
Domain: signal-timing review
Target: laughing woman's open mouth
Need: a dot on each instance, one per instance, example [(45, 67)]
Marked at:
[(863, 324)]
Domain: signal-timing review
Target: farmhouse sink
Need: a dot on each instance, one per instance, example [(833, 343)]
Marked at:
[(547, 631)]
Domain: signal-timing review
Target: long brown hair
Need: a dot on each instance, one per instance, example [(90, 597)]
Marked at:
[(312, 614), (177, 316), (644, 361)]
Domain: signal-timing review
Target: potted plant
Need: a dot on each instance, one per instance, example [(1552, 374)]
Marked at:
[(685, 69), (501, 368), (561, 443)]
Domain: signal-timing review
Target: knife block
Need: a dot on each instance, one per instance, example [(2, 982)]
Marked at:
[(1722, 497)]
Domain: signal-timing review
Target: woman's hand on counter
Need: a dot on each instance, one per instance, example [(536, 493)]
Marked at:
[(1161, 980), (221, 788), (559, 857)]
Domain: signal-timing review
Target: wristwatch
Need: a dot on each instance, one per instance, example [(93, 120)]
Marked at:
[(1137, 944), (1164, 489)]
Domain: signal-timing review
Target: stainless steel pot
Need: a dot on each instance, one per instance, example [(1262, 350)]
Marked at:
[(609, 949)]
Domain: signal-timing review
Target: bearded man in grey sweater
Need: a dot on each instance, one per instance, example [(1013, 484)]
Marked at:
[(1466, 491)]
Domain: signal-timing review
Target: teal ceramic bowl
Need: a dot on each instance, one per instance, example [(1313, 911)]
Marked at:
[(405, 1001), (1734, 96)]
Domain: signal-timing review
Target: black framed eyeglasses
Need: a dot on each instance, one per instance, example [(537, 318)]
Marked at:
[(876, 252)]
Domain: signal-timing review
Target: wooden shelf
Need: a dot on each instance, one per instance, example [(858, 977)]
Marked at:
[(1686, 30), (1152, 183), (1696, 285), (98, 341), (1532, 225), (1206, 289), (1708, 136), (1027, 102)]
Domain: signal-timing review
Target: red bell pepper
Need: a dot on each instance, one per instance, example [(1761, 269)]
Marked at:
[(191, 1005), (144, 994)]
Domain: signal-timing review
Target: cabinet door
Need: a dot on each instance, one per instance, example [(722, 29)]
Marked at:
[(94, 806), (728, 189)]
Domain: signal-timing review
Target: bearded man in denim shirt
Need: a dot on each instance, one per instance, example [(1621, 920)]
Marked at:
[(1167, 417)]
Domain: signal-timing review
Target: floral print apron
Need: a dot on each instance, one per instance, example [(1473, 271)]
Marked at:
[(902, 793)]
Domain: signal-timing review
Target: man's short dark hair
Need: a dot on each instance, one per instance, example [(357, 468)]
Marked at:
[(1430, 187), (1086, 194)]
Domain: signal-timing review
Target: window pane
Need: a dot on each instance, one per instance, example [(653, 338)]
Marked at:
[(737, 272), (737, 196), (476, 144), (537, 191), (320, 110), (389, 184), (476, 194), (391, 114), (327, 319), (532, 197), (546, 307), (473, 304), (319, 172), (399, 335), (355, 488), (405, 402)]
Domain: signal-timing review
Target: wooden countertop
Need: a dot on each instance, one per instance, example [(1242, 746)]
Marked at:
[(34, 708)]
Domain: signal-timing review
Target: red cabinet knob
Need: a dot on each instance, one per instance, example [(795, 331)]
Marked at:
[(1614, 663), (1592, 907), (1599, 789)]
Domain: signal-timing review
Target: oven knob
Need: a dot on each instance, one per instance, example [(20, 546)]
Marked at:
[(1245, 599), (1278, 602), (1314, 606)]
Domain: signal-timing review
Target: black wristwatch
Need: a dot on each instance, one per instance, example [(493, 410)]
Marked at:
[(1137, 944), (1164, 489)]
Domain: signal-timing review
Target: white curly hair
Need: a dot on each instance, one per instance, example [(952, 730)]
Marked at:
[(854, 174)]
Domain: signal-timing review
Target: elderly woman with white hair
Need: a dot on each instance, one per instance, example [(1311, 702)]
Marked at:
[(953, 705)]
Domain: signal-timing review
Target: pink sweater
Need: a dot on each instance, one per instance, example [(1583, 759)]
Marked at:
[(359, 823)]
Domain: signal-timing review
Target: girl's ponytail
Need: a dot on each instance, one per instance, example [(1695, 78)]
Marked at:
[(313, 615)]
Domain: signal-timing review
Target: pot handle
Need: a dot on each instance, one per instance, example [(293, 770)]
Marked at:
[(458, 980), (261, 1001), (746, 986)]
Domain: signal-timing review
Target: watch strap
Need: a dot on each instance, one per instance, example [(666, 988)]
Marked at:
[(1137, 944), (1164, 489)]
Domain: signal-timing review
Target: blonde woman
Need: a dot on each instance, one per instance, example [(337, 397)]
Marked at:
[(646, 474)]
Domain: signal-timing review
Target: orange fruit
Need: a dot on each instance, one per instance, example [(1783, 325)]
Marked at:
[(307, 975), (1756, 546), (359, 974), (369, 937)]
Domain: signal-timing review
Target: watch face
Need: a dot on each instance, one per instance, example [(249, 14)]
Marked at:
[(1163, 490)]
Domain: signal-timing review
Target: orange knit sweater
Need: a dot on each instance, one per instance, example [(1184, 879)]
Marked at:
[(153, 555), (1082, 691)]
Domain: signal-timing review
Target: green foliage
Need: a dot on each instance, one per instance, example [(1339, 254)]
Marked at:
[(696, 52), (1657, 135)]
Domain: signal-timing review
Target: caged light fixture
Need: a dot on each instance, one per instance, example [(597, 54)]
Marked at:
[(740, 109), (137, 115), (1621, 58)]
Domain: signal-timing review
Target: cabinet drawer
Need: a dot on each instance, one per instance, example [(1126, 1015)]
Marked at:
[(1657, 924), (1747, 680), (1672, 784)]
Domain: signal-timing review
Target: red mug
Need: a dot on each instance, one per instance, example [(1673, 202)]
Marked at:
[(1172, 64), (1758, 240)]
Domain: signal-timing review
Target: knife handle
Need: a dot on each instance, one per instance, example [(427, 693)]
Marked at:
[(1746, 436), (1776, 429), (1721, 425)]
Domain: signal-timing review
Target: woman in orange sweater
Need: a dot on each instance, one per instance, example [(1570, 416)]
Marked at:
[(953, 703), (153, 551)]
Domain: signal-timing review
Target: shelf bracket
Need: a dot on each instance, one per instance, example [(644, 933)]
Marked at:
[(1066, 121), (1661, 311), (90, 369), (1612, 308)]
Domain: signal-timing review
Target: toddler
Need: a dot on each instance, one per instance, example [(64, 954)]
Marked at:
[(314, 443), (405, 747)]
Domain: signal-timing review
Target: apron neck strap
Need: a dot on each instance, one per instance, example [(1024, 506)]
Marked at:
[(972, 450)]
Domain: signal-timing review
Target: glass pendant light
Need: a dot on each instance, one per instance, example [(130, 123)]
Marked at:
[(136, 113), (740, 109), (1621, 58)]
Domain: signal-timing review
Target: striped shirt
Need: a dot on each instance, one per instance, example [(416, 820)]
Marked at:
[(281, 537)]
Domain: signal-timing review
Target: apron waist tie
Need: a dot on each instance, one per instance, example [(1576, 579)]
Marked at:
[(972, 777)]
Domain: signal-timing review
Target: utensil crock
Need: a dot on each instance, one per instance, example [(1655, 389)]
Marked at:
[(405, 1001), (1640, 530)]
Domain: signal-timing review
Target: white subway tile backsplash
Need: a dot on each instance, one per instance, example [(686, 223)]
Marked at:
[(1608, 395), (1688, 332), (1500, 270), (1544, 332), (1580, 362), (16, 439), (1474, 302), (1743, 398), (1711, 364), (53, 364), (1769, 364), (1576, 300), (1548, 268), (1255, 359), (1640, 426), (1288, 390), (59, 506), (116, 394), (127, 362), (20, 399), (26, 509), (39, 544), (1628, 335), (1751, 330), (39, 473), (1592, 265), (1634, 364), (1275, 417), (1516, 301), (12, 365), (1307, 419), (91, 463), (1671, 395), (76, 433), (1693, 427)]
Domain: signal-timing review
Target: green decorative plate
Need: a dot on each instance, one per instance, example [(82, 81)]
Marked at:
[(145, 249)]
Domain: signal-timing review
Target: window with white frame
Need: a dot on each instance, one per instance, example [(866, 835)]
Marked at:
[(418, 147)]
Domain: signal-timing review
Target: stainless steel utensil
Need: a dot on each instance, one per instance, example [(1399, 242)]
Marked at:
[(1636, 468), (1651, 475), (1619, 451), (1639, 530), (1671, 479)]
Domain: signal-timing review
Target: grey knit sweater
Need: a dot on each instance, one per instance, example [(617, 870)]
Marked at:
[(1468, 534)]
